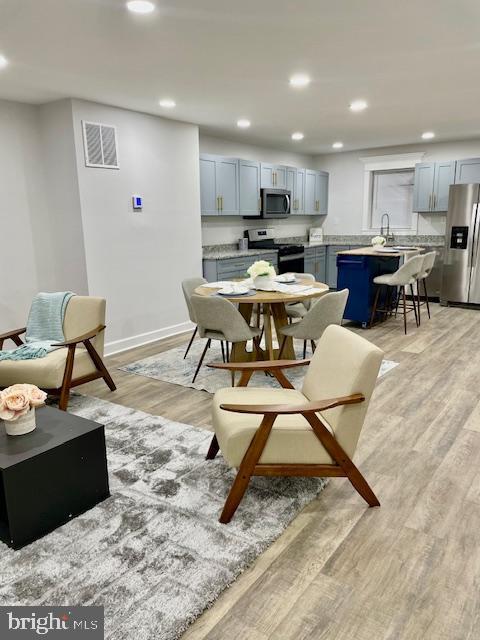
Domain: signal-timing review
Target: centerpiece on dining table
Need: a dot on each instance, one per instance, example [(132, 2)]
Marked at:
[(262, 274)]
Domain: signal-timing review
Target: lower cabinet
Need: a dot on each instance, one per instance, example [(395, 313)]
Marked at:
[(331, 262), (229, 268), (315, 262)]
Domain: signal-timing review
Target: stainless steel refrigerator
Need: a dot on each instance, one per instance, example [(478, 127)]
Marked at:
[(461, 270)]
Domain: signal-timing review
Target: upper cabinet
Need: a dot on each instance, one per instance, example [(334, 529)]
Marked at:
[(249, 188), (219, 185), (316, 192), (274, 176), (296, 184), (467, 171), (432, 184), (231, 187)]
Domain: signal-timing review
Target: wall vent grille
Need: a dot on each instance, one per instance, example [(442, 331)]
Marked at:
[(100, 144)]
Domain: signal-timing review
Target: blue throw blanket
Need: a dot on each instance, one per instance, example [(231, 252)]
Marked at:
[(44, 326)]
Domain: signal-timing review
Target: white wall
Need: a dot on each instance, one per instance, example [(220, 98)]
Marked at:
[(138, 260), (21, 199), (64, 225), (346, 170), (224, 230)]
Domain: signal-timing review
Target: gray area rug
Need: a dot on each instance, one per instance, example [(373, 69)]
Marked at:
[(170, 366), (154, 554)]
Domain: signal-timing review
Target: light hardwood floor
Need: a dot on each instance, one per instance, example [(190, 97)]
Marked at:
[(407, 570)]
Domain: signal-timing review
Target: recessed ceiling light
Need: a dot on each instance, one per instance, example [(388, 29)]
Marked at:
[(3, 62), (358, 105), (167, 103), (297, 135), (140, 6), (337, 145), (428, 135), (243, 123), (300, 80)]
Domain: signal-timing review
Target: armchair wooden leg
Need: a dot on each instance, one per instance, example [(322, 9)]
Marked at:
[(191, 341), (246, 468), (201, 359), (98, 362), (67, 379), (362, 487), (213, 449)]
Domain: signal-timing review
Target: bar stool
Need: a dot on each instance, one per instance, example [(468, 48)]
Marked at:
[(428, 264), (405, 276)]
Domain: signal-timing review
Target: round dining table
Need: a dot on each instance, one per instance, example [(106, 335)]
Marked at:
[(270, 304)]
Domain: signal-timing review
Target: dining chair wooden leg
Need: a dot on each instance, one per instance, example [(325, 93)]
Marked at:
[(375, 304), (247, 466), (426, 296), (213, 449), (404, 310), (223, 350), (207, 346), (417, 321), (312, 344), (304, 349), (284, 341), (190, 343)]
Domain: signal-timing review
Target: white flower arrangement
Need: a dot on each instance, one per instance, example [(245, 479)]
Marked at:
[(261, 268), (378, 241)]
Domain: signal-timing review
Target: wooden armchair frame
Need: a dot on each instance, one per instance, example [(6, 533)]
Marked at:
[(68, 382), (343, 465)]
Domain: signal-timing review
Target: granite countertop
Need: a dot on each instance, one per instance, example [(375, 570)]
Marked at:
[(370, 251), (226, 251), (222, 252)]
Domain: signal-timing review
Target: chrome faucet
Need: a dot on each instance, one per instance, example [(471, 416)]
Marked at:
[(388, 235)]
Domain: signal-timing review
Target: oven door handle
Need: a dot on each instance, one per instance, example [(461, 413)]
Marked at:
[(292, 256)]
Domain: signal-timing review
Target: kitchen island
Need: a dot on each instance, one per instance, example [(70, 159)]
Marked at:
[(356, 270)]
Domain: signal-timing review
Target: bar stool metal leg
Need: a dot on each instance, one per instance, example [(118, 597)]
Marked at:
[(426, 296)]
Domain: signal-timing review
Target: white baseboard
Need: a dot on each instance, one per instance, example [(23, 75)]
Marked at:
[(117, 346)]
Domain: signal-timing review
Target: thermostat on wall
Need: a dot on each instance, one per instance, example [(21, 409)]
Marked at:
[(137, 203)]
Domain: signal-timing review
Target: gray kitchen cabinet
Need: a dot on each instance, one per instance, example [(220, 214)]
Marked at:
[(310, 261), (219, 185), (296, 184), (316, 192), (467, 171), (249, 188), (228, 268), (208, 188), (331, 262), (431, 186), (273, 176), (444, 177), (320, 264)]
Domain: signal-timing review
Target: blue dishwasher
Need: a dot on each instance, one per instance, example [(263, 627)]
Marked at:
[(356, 273)]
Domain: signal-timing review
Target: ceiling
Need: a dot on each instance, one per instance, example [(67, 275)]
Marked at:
[(416, 62)]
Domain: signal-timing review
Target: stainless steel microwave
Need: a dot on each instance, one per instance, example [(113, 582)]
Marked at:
[(275, 203)]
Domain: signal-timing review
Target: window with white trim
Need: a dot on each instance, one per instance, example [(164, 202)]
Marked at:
[(392, 193)]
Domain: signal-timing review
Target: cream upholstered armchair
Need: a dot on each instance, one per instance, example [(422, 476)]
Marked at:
[(313, 432), (79, 360)]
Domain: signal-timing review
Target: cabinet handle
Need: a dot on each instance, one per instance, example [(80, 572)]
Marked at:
[(259, 204), (274, 178), (221, 203), (430, 202), (434, 200), (218, 203)]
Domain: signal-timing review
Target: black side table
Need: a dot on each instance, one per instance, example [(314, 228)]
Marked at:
[(51, 475)]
